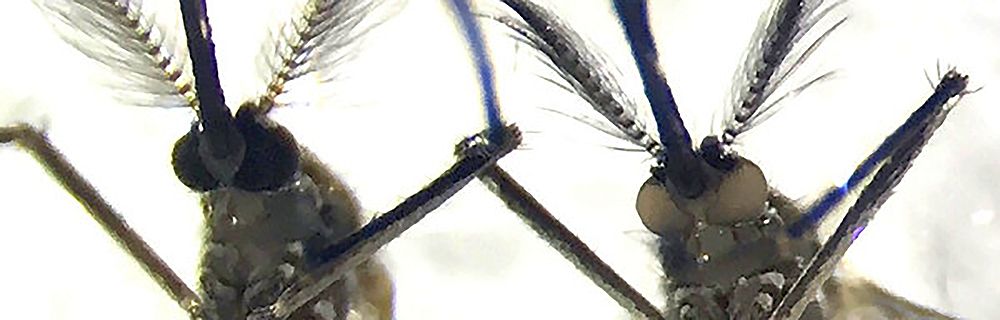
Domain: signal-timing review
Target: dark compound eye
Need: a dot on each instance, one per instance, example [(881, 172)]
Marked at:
[(188, 167), (272, 155), (269, 158)]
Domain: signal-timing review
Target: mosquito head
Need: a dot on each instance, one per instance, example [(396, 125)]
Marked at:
[(736, 194), (735, 191), (247, 152)]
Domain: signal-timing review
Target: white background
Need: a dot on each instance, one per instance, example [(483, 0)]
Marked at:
[(389, 127)]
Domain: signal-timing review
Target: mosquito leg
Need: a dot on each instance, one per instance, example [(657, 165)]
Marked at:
[(53, 161), (892, 158), (475, 154), (520, 201), (568, 244)]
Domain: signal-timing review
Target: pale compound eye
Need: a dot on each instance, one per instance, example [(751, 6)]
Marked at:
[(659, 212), (741, 195)]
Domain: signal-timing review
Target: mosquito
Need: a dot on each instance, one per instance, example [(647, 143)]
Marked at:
[(284, 238), (487, 302), (713, 269)]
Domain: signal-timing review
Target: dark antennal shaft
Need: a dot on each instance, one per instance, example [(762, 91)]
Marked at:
[(217, 142), (670, 126), (212, 105), (684, 168)]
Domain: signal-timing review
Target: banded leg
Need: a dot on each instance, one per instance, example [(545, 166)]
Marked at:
[(35, 143)]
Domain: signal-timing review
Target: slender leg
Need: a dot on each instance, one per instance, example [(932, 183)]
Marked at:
[(567, 243), (374, 282), (521, 202), (35, 143), (892, 159), (475, 155)]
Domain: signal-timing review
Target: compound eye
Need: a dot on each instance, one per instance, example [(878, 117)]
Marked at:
[(188, 166), (741, 194), (272, 155), (659, 213)]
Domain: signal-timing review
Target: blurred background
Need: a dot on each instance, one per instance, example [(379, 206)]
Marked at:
[(388, 124)]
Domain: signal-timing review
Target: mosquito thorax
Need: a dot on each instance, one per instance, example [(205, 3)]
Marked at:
[(248, 152), (259, 243)]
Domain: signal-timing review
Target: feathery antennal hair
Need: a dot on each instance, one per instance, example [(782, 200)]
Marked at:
[(149, 68), (314, 42), (772, 56), (578, 65)]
